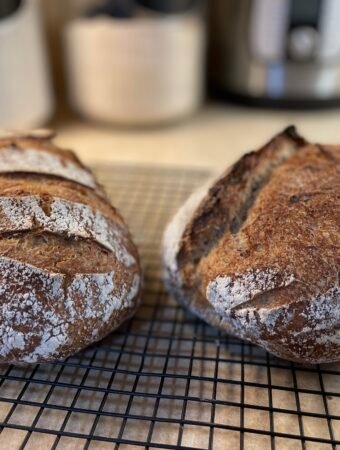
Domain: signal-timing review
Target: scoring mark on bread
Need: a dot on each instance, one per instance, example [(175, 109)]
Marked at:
[(226, 293), (226, 207), (221, 206), (44, 306), (318, 324), (231, 297), (38, 161), (64, 218)]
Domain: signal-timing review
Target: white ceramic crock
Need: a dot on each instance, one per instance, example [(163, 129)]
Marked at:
[(144, 70)]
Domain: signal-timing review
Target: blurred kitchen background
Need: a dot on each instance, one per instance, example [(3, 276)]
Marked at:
[(179, 82)]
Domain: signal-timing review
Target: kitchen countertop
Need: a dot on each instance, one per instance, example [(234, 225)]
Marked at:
[(213, 138)]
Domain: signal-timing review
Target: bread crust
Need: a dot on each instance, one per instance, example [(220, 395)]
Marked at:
[(267, 268), (70, 273), (34, 154)]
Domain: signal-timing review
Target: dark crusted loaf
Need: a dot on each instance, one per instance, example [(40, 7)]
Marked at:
[(257, 253), (70, 272)]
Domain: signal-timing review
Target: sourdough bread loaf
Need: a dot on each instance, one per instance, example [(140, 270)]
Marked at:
[(70, 272), (257, 252)]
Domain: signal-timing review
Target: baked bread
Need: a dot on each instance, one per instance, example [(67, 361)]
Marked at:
[(257, 252), (70, 272)]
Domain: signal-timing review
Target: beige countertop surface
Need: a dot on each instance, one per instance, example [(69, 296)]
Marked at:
[(213, 138)]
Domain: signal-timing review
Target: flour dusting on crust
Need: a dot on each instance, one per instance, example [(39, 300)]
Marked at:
[(322, 325), (39, 308), (42, 162), (64, 217), (225, 293)]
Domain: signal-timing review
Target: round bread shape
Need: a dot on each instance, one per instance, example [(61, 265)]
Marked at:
[(257, 252), (70, 273)]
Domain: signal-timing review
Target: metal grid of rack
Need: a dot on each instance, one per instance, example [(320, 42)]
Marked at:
[(165, 379)]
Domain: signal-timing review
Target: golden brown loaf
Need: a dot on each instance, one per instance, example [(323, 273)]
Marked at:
[(69, 271), (257, 253)]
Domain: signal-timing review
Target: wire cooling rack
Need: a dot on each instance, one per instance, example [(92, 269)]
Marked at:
[(167, 380)]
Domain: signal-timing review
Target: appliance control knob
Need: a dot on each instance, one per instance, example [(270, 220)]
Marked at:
[(302, 43)]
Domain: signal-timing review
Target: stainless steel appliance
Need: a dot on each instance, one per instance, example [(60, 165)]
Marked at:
[(277, 52)]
